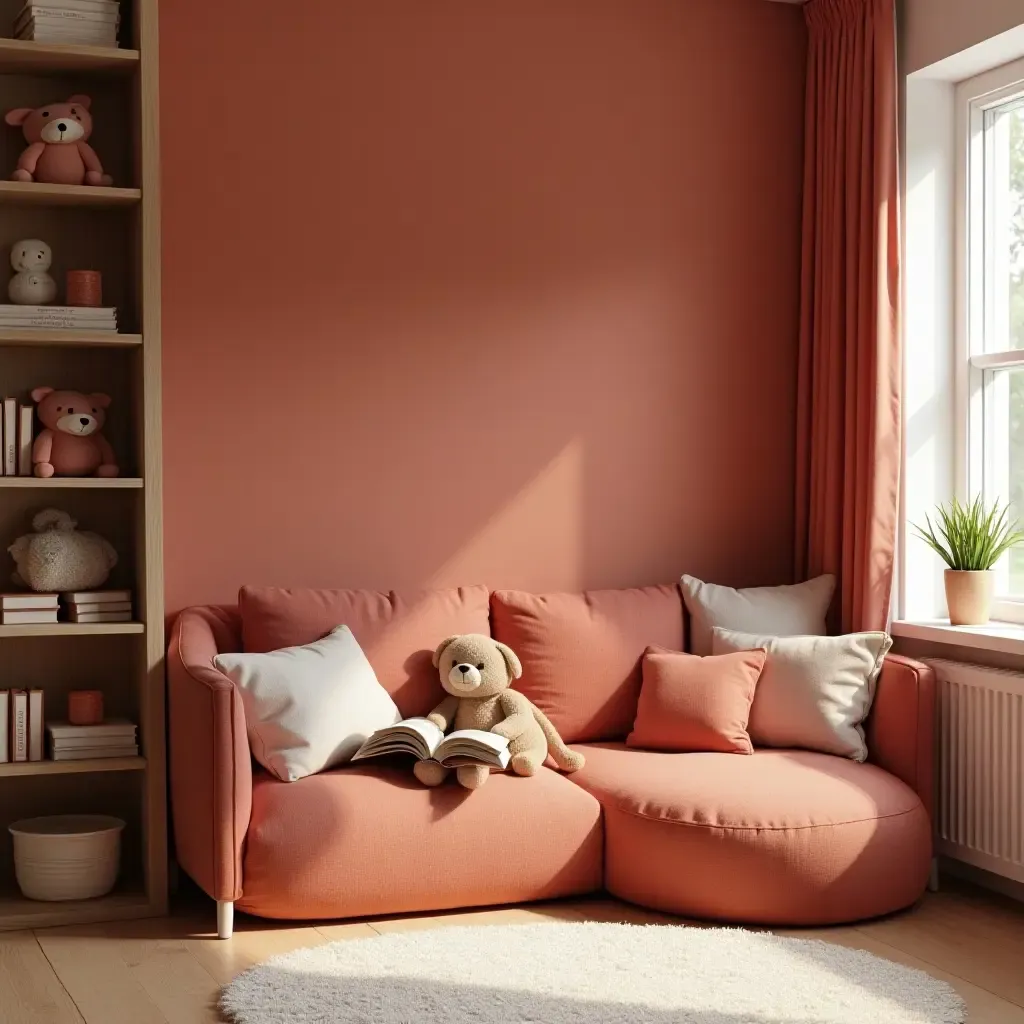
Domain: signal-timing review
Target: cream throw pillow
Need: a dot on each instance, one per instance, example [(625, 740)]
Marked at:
[(780, 611), (309, 708), (814, 691)]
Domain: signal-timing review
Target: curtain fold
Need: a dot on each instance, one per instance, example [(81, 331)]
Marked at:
[(849, 386)]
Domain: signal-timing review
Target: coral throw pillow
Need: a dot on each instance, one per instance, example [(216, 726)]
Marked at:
[(690, 704)]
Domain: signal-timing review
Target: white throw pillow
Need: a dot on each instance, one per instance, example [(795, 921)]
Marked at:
[(796, 610), (309, 708), (814, 692)]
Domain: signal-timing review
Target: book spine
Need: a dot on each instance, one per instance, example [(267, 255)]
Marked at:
[(39, 616), (64, 14), (35, 725), (26, 415), (19, 725), (5, 726), (10, 437), (84, 312), (57, 323)]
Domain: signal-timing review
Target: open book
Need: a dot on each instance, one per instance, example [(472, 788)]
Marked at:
[(425, 741)]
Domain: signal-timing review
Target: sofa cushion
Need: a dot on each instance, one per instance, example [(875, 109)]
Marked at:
[(398, 632), (781, 837), (690, 704), (581, 652), (371, 840)]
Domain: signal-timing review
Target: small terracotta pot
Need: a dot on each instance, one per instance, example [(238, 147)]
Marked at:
[(969, 596)]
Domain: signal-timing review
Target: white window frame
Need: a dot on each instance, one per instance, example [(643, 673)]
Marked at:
[(975, 370)]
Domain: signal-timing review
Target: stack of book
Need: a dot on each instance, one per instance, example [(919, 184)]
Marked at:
[(89, 22), (16, 434), (57, 318), (28, 609), (113, 738), (90, 606), (21, 725)]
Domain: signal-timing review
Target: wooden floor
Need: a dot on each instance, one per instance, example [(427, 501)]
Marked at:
[(169, 971)]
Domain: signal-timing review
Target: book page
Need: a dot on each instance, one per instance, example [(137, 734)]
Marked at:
[(477, 736), (417, 736)]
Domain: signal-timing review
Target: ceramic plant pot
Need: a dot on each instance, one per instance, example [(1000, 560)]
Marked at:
[(969, 596)]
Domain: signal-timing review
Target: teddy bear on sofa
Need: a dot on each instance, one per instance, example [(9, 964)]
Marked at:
[(58, 150), (476, 673), (71, 442)]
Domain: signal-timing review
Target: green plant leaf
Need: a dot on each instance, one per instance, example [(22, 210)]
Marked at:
[(970, 537)]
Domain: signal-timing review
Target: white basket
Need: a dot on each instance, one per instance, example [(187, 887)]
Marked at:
[(67, 856)]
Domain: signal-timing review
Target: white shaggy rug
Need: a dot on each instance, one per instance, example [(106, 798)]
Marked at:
[(586, 972)]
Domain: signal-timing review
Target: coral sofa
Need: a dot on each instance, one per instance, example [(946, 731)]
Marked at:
[(777, 837)]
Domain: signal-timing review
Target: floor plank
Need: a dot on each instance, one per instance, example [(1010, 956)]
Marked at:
[(971, 934), (30, 992)]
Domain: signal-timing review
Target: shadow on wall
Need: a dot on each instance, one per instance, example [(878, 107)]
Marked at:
[(501, 293)]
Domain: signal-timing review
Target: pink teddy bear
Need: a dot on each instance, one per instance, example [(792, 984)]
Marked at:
[(71, 442), (58, 149)]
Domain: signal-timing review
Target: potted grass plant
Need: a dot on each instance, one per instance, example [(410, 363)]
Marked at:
[(970, 538)]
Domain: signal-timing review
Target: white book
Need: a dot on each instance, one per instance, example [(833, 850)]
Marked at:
[(39, 323), (23, 602), (75, 5), (35, 725), (426, 742), (95, 596), (26, 436), (96, 609), (94, 618), (5, 726), (85, 753), (10, 437), (111, 727), (19, 725), (37, 616), (63, 14), (91, 742), (43, 33), (87, 312)]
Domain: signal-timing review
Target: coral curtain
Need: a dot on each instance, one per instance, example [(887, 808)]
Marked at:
[(849, 427)]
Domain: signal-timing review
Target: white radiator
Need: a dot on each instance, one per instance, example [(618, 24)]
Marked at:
[(981, 766)]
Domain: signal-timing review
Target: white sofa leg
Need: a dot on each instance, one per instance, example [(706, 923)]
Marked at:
[(225, 919)]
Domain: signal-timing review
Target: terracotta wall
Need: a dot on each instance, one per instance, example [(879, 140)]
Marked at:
[(936, 29), (499, 292)]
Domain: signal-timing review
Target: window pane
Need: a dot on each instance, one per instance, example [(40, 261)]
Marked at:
[(1004, 227), (1004, 451)]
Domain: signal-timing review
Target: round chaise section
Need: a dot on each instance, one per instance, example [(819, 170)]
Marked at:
[(779, 837)]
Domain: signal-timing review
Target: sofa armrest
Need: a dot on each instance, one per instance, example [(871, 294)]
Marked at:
[(901, 728), (210, 766)]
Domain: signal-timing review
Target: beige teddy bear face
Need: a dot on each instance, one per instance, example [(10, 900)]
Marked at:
[(475, 666)]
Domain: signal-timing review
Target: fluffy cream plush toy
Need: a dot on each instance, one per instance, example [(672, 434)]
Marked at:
[(57, 557), (476, 672)]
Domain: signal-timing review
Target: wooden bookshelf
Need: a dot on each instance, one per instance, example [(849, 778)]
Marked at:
[(19, 57), (72, 483), (117, 231), (89, 765), (74, 629), (68, 338), (32, 193)]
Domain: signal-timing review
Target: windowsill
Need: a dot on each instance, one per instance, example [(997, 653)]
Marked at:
[(1005, 637)]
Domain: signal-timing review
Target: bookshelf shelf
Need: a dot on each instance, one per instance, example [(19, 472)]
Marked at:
[(73, 629), (33, 193), (76, 483), (96, 764), (79, 339), (22, 57), (17, 913)]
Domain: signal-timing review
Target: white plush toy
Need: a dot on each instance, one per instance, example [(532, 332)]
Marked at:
[(31, 285), (57, 557)]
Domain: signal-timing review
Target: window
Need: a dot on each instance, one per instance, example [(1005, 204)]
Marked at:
[(990, 314)]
